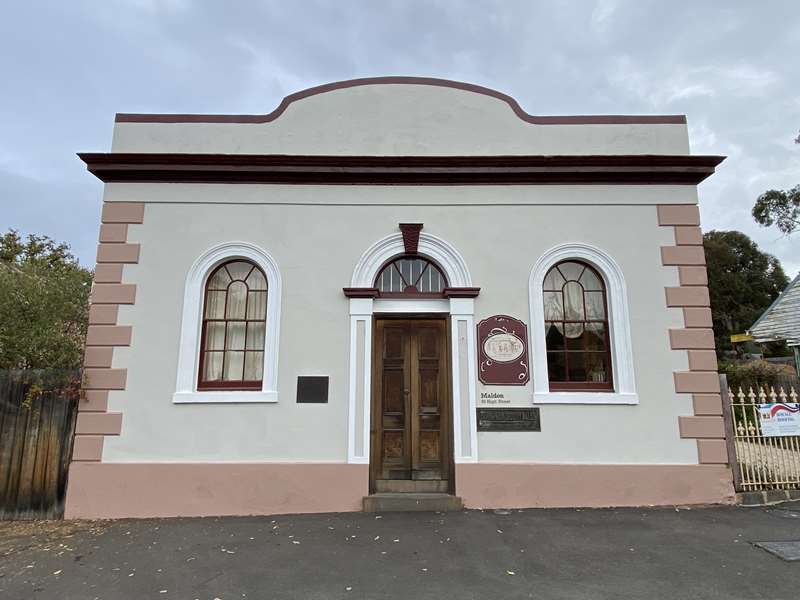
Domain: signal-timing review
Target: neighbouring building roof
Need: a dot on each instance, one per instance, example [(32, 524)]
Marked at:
[(781, 321)]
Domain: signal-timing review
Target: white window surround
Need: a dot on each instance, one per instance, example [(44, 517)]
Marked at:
[(619, 328), (191, 322), (461, 311)]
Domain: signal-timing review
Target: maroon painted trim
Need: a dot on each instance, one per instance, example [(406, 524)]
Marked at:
[(459, 85), (461, 292), (580, 386), (360, 292), (400, 170), (411, 236)]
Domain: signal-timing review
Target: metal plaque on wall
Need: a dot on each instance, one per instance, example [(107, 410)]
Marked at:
[(503, 351), (509, 419)]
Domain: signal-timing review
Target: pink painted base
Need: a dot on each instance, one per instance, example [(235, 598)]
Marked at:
[(116, 490), (486, 485)]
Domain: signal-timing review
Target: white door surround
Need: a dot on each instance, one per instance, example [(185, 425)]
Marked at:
[(462, 339)]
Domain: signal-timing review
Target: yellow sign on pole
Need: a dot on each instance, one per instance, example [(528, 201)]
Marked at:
[(741, 337)]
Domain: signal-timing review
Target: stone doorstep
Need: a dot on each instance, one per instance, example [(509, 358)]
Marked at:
[(408, 502), (765, 497)]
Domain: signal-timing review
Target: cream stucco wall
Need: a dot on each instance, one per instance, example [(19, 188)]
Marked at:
[(400, 119), (317, 234)]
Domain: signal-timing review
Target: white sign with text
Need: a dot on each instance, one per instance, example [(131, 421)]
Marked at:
[(779, 419)]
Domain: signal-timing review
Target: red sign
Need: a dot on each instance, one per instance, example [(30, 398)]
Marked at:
[(503, 351)]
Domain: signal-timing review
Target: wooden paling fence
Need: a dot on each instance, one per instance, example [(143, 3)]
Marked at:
[(37, 425), (763, 462)]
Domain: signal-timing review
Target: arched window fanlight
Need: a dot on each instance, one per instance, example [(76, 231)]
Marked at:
[(411, 276), (576, 328)]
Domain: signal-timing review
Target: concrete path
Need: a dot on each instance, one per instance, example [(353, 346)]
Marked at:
[(572, 554)]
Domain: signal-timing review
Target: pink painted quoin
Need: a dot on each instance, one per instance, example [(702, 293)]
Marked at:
[(104, 334), (697, 337)]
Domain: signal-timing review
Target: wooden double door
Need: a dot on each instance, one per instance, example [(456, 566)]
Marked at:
[(411, 439)]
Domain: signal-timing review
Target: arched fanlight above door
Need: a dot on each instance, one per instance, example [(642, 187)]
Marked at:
[(410, 276)]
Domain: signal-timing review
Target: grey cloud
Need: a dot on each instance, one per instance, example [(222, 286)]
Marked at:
[(68, 67)]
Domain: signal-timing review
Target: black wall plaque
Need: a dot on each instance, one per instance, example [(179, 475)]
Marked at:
[(509, 419), (312, 389)]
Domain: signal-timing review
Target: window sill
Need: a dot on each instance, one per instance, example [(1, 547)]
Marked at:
[(585, 398), (221, 397)]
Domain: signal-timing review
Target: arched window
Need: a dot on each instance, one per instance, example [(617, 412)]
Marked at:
[(410, 276), (234, 324), (576, 328)]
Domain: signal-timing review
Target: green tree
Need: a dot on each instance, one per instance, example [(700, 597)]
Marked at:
[(44, 304), (742, 281), (779, 207)]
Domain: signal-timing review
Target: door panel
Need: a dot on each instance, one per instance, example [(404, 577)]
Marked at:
[(393, 411), (411, 406)]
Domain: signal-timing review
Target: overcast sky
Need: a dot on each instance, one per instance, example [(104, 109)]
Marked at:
[(733, 67)]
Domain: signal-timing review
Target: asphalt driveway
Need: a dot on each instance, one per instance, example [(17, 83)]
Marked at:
[(543, 554)]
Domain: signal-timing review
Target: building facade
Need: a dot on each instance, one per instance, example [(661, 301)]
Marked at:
[(397, 285)]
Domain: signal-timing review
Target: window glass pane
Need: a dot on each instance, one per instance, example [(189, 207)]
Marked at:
[(573, 330), (257, 305), (239, 269), (556, 370), (233, 366), (255, 336), (577, 366), (395, 279), (219, 280), (237, 297), (215, 305), (595, 336), (405, 269), (553, 308), (236, 332), (595, 308), (596, 369), (425, 280), (432, 280), (573, 302), (212, 370), (554, 338), (588, 366), (591, 281), (215, 335), (577, 336), (253, 366), (389, 279), (416, 271), (553, 280), (570, 270), (256, 280), (440, 281)]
